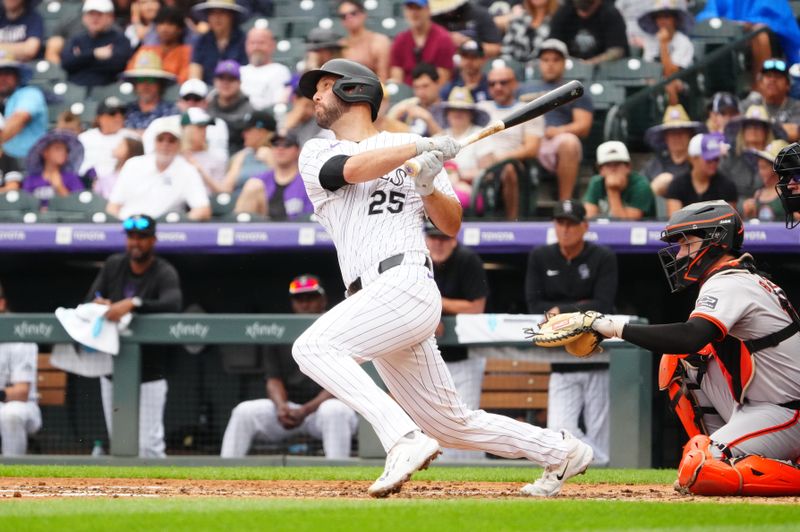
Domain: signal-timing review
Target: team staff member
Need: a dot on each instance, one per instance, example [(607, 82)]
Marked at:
[(566, 276), (459, 274), (740, 369), (374, 210), (296, 404), (139, 282)]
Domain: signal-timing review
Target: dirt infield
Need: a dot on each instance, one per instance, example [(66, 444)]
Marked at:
[(128, 487)]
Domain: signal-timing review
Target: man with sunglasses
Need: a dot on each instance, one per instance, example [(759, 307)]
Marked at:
[(734, 379), (100, 141), (161, 181), (362, 45), (504, 156), (139, 282), (194, 93), (296, 405), (772, 90)]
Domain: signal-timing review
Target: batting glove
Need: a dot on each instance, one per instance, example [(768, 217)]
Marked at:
[(608, 327), (448, 146), (430, 164)]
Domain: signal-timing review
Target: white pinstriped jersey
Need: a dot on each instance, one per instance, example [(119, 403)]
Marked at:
[(18, 364), (745, 306), (368, 221)]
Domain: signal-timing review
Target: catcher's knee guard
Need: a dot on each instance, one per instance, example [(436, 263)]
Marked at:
[(702, 474)]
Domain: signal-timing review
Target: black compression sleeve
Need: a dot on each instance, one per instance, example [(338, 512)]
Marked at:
[(676, 338), (331, 175)]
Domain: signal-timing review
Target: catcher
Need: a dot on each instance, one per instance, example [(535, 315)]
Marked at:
[(735, 380)]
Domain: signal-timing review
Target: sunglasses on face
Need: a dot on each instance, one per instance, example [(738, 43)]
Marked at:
[(137, 223), (169, 139), (348, 14), (501, 82), (147, 80), (774, 64), (283, 144), (193, 98)]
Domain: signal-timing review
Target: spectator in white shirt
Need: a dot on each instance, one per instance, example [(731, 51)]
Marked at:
[(100, 141), (263, 81)]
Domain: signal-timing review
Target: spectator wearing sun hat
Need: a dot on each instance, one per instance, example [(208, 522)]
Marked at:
[(150, 81), (666, 27), (617, 192), (52, 166), (98, 55), (162, 181), (754, 129), (229, 103), (224, 40), (670, 144), (175, 54), (462, 117), (765, 204)]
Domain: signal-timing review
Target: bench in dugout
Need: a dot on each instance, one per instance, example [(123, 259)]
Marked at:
[(517, 388)]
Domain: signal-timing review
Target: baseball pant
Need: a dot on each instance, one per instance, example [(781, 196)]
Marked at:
[(468, 380), (391, 322), (18, 419), (152, 399), (765, 429), (571, 393), (334, 423)]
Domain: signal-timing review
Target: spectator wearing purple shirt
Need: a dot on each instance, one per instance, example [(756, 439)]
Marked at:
[(52, 166), (279, 193)]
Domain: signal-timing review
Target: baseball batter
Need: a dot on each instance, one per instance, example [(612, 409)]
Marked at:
[(374, 212), (737, 390)]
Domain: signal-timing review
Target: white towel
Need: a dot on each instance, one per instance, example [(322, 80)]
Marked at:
[(88, 326)]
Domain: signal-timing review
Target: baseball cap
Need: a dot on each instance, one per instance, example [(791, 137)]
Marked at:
[(260, 119), (323, 39), (554, 45), (570, 210), (775, 65), (103, 6), (196, 117), (612, 151), (141, 224), (432, 230), (724, 101), (110, 105), (471, 48), (227, 67), (166, 124), (288, 138), (305, 284), (709, 146), (420, 3), (196, 87)]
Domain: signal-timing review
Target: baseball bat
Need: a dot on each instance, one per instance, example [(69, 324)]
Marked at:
[(548, 101)]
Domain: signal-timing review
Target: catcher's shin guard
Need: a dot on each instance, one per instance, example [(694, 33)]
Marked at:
[(702, 474), (672, 378)]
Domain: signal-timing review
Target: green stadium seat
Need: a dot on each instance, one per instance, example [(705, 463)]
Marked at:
[(15, 204), (123, 91), (78, 207), (379, 9), (578, 70), (48, 72), (222, 204), (304, 8), (54, 11), (398, 91), (727, 73), (630, 72)]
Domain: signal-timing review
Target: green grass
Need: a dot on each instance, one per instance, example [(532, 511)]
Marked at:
[(299, 515), (296, 515)]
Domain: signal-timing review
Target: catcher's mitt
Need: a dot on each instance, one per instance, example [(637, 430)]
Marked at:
[(572, 330)]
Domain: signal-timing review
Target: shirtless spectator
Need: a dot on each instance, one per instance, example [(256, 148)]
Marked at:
[(369, 48)]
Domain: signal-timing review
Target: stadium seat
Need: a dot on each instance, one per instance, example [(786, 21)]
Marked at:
[(629, 72), (47, 72), (390, 26), (15, 204), (78, 207), (299, 27), (222, 204), (398, 91), (579, 70), (69, 96), (123, 91), (727, 73), (379, 9), (304, 8), (54, 11), (606, 98)]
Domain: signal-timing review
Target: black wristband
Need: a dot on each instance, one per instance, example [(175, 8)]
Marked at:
[(2, 396)]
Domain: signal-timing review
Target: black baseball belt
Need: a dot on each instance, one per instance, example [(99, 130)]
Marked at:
[(385, 264)]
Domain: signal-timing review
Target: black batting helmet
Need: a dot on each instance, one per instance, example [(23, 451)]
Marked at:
[(787, 166), (356, 83), (720, 229)]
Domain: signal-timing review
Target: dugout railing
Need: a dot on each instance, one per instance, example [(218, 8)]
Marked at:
[(631, 385)]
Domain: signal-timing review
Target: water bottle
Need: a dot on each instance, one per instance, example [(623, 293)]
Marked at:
[(98, 450)]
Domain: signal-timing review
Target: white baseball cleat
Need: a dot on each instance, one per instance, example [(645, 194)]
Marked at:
[(414, 452), (579, 457)]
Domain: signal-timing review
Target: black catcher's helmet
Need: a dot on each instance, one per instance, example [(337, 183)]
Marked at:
[(356, 83), (720, 229), (787, 166)]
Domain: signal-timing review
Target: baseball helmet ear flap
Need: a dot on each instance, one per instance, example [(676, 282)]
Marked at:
[(787, 166)]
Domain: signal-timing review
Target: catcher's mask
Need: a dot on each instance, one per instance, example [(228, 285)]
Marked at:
[(787, 166), (720, 231)]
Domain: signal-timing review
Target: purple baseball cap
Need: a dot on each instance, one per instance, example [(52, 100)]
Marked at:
[(709, 146), (228, 67)]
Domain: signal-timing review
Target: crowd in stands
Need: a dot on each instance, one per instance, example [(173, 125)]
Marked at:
[(93, 93)]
